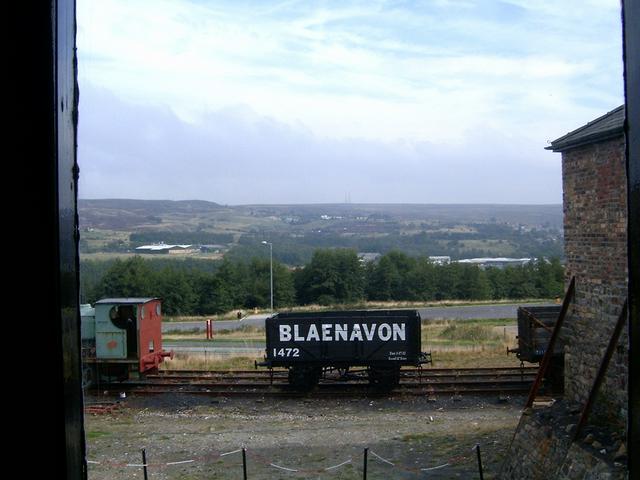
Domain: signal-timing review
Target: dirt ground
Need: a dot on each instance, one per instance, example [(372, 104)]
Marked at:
[(187, 437)]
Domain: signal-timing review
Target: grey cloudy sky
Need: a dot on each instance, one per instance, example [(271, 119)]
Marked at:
[(442, 101)]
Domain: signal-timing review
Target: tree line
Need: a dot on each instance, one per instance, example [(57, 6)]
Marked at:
[(331, 277)]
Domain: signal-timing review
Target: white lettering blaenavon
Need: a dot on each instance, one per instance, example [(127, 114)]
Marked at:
[(330, 332)]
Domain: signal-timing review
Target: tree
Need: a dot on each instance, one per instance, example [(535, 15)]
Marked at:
[(129, 278), (390, 279), (212, 297), (520, 282), (177, 293), (422, 280), (331, 276), (549, 276), (284, 293), (473, 284), (498, 282), (234, 279), (447, 281)]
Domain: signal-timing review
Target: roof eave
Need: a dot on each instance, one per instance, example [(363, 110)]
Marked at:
[(588, 140)]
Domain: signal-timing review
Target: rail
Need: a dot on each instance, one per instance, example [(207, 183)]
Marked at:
[(506, 380)]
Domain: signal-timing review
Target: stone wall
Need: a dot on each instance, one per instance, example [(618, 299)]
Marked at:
[(542, 448), (539, 447), (582, 463), (595, 225)]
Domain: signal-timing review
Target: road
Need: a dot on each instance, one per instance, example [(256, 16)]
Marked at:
[(253, 320), (475, 311), (430, 313)]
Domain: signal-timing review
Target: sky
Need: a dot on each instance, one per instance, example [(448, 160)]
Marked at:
[(379, 101)]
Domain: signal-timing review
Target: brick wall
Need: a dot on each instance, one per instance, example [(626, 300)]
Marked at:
[(595, 234), (595, 218)]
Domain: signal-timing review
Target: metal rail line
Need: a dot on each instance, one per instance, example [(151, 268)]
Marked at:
[(434, 371), (262, 383)]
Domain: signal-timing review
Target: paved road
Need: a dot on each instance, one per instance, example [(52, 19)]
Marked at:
[(474, 311), (429, 313), (254, 320)]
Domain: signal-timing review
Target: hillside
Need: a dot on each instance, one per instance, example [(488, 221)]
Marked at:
[(119, 225)]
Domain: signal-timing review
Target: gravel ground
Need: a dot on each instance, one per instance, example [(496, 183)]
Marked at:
[(307, 435)]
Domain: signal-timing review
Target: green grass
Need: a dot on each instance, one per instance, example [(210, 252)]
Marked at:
[(183, 361), (413, 437), (489, 322), (466, 332), (469, 333)]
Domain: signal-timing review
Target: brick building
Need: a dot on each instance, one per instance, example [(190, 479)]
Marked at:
[(595, 227), (594, 183)]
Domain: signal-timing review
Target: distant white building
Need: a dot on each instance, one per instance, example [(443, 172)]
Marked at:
[(366, 257), (498, 262), (164, 248), (440, 259)]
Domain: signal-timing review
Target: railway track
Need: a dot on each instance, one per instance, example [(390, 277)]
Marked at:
[(416, 382)]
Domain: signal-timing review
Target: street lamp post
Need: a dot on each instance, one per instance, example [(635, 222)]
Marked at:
[(264, 242)]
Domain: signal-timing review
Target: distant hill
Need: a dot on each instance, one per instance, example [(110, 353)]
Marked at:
[(530, 215), (133, 215), (459, 231), (126, 214)]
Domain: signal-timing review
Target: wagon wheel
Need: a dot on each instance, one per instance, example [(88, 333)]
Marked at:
[(384, 379), (304, 378)]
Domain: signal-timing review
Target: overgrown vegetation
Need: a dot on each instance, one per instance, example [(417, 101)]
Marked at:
[(469, 333), (203, 361)]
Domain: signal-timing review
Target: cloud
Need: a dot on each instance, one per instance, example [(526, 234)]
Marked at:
[(236, 156), (363, 87)]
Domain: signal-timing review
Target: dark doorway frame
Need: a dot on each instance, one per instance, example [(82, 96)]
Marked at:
[(51, 98)]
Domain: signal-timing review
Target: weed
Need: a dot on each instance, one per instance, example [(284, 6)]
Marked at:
[(416, 437), (470, 333)]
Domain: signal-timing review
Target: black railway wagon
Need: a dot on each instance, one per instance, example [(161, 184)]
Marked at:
[(309, 343), (535, 325)]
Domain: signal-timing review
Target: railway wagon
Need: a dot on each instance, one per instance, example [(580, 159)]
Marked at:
[(535, 325), (121, 339), (309, 344)]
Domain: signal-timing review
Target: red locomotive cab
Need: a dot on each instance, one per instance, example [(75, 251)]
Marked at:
[(150, 335)]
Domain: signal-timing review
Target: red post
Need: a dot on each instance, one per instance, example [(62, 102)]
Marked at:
[(209, 330)]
